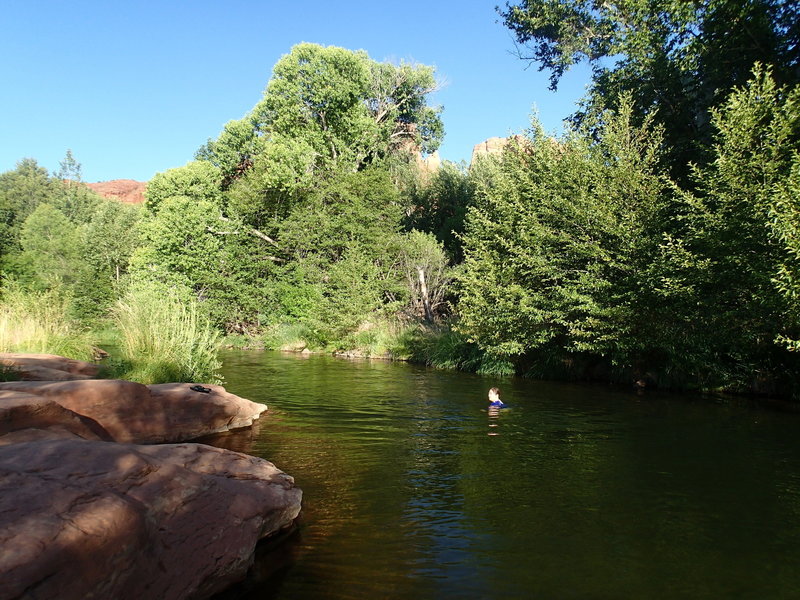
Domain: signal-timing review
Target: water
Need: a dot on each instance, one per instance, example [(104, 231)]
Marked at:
[(413, 490)]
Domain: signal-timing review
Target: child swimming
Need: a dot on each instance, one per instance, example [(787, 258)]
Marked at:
[(494, 398)]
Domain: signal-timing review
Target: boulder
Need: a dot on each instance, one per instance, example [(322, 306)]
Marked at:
[(23, 411), (88, 519), (132, 412), (48, 367)]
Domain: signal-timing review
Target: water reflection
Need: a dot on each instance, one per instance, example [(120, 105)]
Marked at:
[(586, 493)]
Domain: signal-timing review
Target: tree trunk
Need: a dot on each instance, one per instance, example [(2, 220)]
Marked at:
[(423, 291)]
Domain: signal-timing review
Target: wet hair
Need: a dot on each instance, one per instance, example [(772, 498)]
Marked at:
[(496, 390)]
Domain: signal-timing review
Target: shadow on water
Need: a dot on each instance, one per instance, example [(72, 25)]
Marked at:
[(414, 488)]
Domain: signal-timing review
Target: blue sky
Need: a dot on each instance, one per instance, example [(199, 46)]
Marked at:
[(134, 88)]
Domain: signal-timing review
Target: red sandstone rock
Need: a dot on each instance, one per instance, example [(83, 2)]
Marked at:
[(122, 190), (132, 412), (48, 367), (21, 411), (81, 519)]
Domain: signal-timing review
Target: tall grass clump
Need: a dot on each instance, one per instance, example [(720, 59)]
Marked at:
[(165, 336), (39, 322)]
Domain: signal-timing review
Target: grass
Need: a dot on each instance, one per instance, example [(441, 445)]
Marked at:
[(443, 347), (439, 346), (164, 337), (290, 336), (38, 322)]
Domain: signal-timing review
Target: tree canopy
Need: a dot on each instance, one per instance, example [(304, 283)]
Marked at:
[(678, 59)]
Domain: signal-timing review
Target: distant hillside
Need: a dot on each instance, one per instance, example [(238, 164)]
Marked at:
[(123, 190)]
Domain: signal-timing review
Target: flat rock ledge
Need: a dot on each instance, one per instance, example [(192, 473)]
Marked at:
[(47, 367), (90, 509), (129, 412)]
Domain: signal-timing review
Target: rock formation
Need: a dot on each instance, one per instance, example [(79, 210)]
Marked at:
[(81, 519), (122, 190), (493, 146), (82, 516), (132, 412), (47, 367), (428, 165)]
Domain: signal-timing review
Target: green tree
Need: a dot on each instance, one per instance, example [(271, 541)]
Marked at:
[(234, 151), (112, 236), (21, 191), (325, 110), (348, 258), (52, 250), (178, 246), (75, 200), (719, 271), (439, 206), (785, 216), (190, 245), (198, 179), (678, 59), (555, 243)]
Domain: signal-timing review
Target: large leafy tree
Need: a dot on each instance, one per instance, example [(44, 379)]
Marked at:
[(556, 241), (736, 239), (677, 58), (52, 249), (325, 111), (197, 179), (21, 191)]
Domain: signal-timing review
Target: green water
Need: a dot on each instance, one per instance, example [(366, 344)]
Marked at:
[(413, 490)]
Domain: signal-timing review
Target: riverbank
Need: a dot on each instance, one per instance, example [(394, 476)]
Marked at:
[(443, 347)]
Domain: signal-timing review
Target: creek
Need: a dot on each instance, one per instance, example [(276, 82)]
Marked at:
[(412, 489)]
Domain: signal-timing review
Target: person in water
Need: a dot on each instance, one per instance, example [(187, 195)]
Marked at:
[(494, 399)]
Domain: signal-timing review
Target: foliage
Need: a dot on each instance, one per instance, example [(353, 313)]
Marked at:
[(199, 180), (554, 243), (349, 108), (425, 267), (325, 111), (112, 235), (677, 59), (440, 205), (178, 246), (165, 336), (785, 216), (736, 240), (343, 241), (52, 248), (21, 191), (74, 199)]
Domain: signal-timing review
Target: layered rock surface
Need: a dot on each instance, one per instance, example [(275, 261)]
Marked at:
[(132, 412), (83, 517), (47, 367)]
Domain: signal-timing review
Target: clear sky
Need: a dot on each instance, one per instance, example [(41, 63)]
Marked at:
[(135, 87)]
